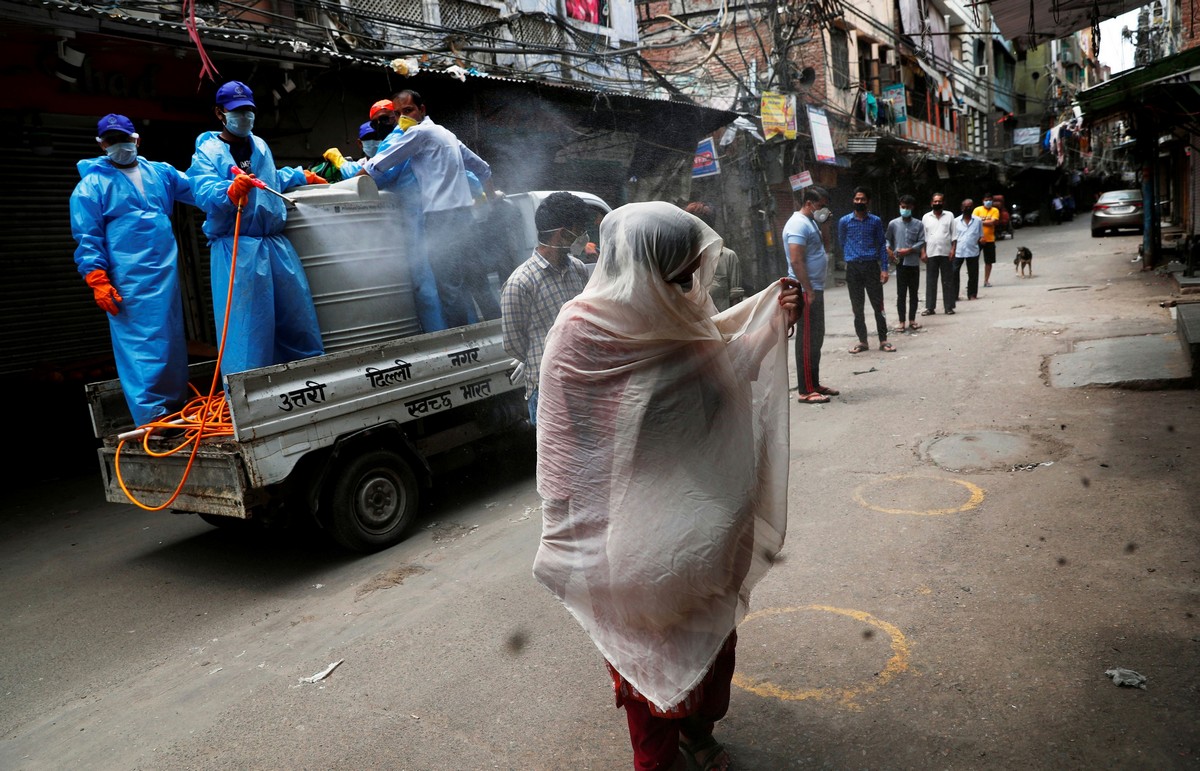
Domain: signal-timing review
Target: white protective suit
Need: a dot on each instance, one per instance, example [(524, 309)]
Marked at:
[(662, 452)]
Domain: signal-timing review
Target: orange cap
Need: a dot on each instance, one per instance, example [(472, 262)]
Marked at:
[(380, 106)]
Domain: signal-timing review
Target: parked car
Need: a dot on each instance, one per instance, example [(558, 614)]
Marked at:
[(1117, 209)]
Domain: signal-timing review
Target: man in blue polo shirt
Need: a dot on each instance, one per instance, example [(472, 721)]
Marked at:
[(865, 252), (807, 263)]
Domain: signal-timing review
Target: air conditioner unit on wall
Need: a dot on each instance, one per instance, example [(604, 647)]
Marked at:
[(981, 70), (1030, 152)]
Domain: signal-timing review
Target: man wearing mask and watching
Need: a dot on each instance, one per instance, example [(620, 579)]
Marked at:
[(863, 247), (121, 219), (271, 317), (808, 264), (539, 287)]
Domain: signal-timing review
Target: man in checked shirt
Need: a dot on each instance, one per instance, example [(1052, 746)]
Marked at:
[(541, 285)]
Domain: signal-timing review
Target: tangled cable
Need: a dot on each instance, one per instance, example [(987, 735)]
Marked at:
[(202, 417)]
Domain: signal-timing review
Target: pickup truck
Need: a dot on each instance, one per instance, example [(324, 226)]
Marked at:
[(345, 438)]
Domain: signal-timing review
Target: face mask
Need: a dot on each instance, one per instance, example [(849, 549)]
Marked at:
[(370, 147), (405, 123), (860, 207), (906, 213), (578, 246), (240, 124), (966, 212), (937, 207), (987, 204), (822, 215), (122, 153)]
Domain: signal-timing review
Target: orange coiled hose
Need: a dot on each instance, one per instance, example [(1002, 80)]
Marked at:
[(203, 416)]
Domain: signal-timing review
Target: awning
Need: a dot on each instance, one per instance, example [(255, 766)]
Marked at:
[(1053, 19), (1168, 86)]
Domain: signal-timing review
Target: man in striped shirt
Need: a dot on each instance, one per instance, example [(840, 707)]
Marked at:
[(540, 286)]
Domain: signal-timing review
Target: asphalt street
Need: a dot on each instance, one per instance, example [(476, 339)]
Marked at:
[(970, 548)]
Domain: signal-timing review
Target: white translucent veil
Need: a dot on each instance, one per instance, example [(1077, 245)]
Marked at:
[(662, 452)]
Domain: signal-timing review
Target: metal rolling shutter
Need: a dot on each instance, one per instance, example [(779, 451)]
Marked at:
[(46, 311)]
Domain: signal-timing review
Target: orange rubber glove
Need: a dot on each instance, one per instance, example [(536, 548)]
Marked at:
[(105, 293), (313, 178), (240, 187)]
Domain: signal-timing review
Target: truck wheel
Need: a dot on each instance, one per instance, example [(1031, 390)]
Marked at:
[(373, 501)]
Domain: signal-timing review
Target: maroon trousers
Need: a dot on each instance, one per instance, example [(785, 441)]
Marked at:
[(655, 736)]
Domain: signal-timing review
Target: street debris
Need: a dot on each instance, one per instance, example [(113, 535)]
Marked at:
[(865, 371), (1121, 676), (1030, 466), (324, 673)]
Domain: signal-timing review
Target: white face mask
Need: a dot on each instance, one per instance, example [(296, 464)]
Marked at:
[(822, 215), (240, 124), (906, 213), (370, 147), (122, 153), (987, 204), (578, 246)]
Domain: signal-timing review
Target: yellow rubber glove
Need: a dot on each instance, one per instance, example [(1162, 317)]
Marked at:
[(313, 178), (334, 156), (105, 293)]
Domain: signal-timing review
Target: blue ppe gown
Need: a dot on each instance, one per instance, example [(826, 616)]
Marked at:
[(127, 233), (272, 319)]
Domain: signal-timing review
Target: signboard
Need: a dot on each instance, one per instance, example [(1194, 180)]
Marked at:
[(893, 95), (801, 180), (818, 124), (778, 115), (1027, 136), (705, 164)]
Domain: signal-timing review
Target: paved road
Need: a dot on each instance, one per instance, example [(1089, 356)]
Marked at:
[(969, 550)]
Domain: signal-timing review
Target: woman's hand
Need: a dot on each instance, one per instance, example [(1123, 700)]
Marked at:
[(790, 299)]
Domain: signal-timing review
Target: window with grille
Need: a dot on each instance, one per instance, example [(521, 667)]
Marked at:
[(384, 10), (536, 32), (457, 14), (839, 45)]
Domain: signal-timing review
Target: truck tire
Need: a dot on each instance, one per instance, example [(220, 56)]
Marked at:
[(373, 501)]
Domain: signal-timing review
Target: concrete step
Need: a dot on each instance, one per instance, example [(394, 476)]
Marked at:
[(1187, 328)]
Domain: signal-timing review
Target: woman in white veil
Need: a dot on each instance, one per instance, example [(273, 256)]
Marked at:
[(662, 464)]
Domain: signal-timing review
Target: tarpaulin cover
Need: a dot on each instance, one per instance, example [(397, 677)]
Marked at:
[(662, 451)]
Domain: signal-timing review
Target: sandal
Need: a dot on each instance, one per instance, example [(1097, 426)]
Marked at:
[(928, 312), (827, 391), (812, 398), (887, 347), (900, 329), (705, 754), (913, 325), (858, 348)]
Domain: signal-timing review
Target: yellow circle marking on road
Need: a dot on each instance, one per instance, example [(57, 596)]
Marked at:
[(847, 696), (975, 490)]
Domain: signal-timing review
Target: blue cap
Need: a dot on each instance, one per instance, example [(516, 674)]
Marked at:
[(235, 94), (365, 130), (114, 122)]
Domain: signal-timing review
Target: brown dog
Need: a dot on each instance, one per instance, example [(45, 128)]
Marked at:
[(1023, 260)]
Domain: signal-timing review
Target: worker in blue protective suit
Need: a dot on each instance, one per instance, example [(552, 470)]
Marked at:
[(271, 317), (401, 181), (121, 219)]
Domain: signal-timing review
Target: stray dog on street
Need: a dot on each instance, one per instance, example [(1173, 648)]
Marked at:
[(1023, 260)]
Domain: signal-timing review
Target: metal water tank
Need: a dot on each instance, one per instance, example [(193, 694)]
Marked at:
[(351, 240)]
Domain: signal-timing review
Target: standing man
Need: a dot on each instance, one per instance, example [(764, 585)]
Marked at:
[(440, 162), (121, 219), (808, 264), (861, 236), (726, 286), (906, 244), (965, 248), (989, 216), (271, 317), (535, 291), (939, 235)]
